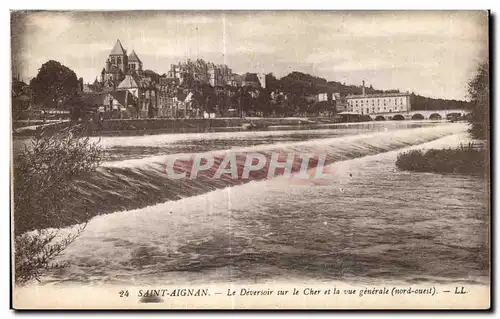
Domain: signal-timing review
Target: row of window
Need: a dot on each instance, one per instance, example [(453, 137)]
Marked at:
[(118, 60), (373, 109), (378, 103), (388, 100)]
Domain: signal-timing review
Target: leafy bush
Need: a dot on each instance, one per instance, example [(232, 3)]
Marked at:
[(43, 174), (479, 92), (36, 250), (468, 159)]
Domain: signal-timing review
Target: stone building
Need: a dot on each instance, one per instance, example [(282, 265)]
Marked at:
[(199, 70), (219, 75), (378, 103), (124, 72), (134, 63), (145, 92), (116, 66)]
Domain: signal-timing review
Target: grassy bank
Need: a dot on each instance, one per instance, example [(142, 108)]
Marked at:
[(468, 159)]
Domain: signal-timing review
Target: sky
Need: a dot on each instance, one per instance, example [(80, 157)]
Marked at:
[(431, 53)]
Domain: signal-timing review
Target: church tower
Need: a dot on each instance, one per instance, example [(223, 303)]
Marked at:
[(118, 56), (116, 65), (134, 63)]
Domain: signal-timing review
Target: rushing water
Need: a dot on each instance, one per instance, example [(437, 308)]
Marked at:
[(370, 222), (120, 148)]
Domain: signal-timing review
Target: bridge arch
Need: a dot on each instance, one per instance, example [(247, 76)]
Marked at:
[(417, 116), (398, 117), (435, 116), (379, 118)]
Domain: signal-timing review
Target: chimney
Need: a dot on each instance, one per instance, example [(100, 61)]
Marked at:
[(364, 92)]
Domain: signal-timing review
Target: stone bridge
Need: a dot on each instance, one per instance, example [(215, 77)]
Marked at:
[(418, 115)]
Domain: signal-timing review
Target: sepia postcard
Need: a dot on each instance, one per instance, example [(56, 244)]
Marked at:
[(250, 160)]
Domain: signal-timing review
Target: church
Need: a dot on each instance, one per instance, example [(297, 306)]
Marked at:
[(123, 77), (119, 64)]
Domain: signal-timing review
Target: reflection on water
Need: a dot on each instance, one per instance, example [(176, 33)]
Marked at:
[(370, 222)]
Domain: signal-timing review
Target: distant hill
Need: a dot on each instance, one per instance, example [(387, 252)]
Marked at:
[(419, 102), (302, 83)]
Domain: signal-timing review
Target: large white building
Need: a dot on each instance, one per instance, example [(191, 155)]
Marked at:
[(378, 103)]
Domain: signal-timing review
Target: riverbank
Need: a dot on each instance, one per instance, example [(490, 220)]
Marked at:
[(469, 159), (118, 127), (110, 127)]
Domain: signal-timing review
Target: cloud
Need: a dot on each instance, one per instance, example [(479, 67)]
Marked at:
[(416, 49), (50, 24), (464, 25)]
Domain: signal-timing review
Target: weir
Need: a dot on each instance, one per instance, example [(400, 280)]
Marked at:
[(364, 224), (132, 184)]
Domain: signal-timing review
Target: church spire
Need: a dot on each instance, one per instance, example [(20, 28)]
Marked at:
[(118, 49)]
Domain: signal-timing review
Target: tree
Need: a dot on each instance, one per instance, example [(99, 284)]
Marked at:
[(223, 101), (18, 87), (272, 83), (20, 97), (43, 175), (302, 104), (205, 96), (479, 92), (263, 103), (188, 81), (35, 252), (278, 105), (419, 102), (153, 75), (77, 109), (54, 85)]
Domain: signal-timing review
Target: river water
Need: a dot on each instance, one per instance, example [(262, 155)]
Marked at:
[(370, 222)]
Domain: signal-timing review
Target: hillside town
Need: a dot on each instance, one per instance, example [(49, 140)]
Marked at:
[(125, 89)]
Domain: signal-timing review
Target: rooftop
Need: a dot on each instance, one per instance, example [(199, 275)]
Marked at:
[(133, 57), (118, 49), (376, 95), (124, 98), (128, 83)]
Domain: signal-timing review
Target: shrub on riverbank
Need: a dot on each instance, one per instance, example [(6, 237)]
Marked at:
[(43, 175), (479, 92), (467, 159)]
